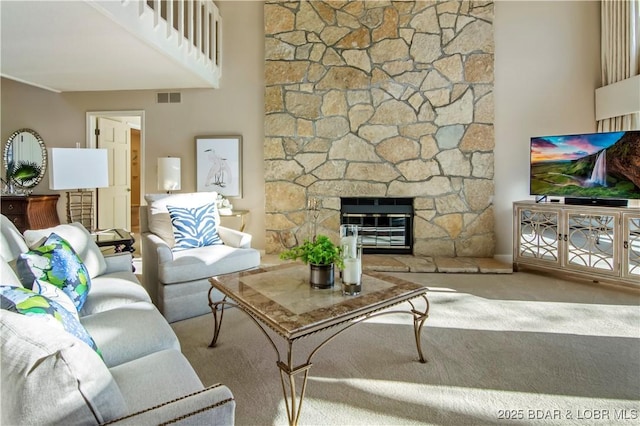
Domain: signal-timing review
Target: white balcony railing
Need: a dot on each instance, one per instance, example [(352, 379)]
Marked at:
[(189, 31)]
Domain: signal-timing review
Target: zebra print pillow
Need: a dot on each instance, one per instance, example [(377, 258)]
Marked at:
[(194, 226)]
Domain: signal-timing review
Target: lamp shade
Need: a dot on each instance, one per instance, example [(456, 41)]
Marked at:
[(169, 173), (75, 168)]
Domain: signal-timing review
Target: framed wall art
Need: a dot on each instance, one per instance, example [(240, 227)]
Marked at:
[(219, 165)]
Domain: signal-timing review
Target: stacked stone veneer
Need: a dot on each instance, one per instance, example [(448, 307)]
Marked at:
[(381, 99)]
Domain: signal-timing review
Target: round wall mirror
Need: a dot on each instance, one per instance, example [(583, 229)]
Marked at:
[(25, 158)]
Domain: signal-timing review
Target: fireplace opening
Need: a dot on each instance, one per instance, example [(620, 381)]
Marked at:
[(385, 224)]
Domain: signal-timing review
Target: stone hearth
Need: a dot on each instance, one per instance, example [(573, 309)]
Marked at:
[(408, 263)]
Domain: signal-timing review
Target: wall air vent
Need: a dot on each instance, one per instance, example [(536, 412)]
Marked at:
[(168, 97)]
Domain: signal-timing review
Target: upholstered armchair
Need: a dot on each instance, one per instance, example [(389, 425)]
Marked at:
[(176, 271)]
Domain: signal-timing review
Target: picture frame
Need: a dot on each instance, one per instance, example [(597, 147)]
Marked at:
[(219, 165)]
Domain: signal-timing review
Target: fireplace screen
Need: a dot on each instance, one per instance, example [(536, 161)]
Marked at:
[(385, 224)]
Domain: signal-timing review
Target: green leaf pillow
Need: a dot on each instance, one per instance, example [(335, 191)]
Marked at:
[(26, 302), (57, 263)]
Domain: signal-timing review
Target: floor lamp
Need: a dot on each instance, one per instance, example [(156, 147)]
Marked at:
[(82, 169)]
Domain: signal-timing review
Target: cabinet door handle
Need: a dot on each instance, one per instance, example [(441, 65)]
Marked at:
[(10, 207), (626, 244)]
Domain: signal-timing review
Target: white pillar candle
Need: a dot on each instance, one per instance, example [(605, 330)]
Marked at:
[(351, 272), (349, 244)]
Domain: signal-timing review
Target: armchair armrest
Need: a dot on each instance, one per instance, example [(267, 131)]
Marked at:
[(118, 262), (214, 405), (162, 249), (154, 252), (234, 238)]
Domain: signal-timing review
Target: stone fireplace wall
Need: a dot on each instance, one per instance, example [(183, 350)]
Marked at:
[(375, 99)]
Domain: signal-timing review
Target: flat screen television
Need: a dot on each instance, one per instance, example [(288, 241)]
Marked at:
[(591, 168)]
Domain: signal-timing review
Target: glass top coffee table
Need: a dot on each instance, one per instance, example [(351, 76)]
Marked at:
[(280, 298)]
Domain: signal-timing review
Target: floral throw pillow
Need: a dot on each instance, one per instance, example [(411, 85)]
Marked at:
[(55, 294), (57, 263), (194, 227), (26, 302)]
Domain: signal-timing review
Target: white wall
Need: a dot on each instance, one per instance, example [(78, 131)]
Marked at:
[(546, 72), (547, 67)]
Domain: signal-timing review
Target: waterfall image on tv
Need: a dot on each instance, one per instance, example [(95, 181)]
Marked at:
[(594, 165)]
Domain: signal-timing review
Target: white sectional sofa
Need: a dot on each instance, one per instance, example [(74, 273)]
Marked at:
[(178, 280), (49, 376)]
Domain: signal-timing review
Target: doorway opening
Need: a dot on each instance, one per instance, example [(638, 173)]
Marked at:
[(122, 133)]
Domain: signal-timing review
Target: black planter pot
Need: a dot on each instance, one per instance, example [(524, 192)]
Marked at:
[(321, 276)]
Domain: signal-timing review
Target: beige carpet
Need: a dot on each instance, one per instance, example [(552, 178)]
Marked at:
[(542, 350)]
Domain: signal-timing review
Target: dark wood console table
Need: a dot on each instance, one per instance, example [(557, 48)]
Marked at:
[(31, 211)]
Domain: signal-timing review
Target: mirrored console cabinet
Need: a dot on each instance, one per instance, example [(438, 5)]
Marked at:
[(597, 243)]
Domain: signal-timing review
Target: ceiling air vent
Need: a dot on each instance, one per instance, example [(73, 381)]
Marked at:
[(168, 97)]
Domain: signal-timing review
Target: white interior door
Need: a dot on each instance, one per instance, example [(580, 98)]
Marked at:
[(114, 202)]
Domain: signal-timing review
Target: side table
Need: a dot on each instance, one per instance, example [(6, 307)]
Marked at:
[(121, 239), (236, 213)]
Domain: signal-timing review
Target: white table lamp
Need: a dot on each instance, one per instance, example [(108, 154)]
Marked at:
[(169, 174), (82, 169)]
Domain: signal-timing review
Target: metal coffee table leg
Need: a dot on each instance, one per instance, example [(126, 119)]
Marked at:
[(418, 321), (288, 379), (217, 308)]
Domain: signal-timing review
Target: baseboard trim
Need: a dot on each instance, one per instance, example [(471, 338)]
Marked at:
[(504, 258)]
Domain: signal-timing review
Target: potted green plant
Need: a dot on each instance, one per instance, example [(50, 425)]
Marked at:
[(321, 254)]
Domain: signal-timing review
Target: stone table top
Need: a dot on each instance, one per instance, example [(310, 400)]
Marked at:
[(281, 297)]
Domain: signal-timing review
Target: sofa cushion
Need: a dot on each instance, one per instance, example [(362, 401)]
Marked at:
[(120, 342), (11, 240), (158, 216), (57, 263), (205, 262), (140, 381), (8, 274), (50, 377), (194, 226), (26, 302), (113, 290), (81, 241)]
